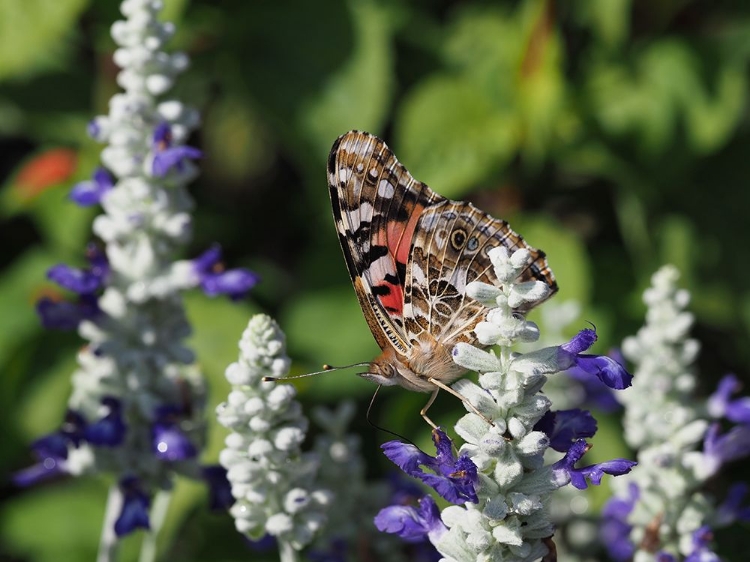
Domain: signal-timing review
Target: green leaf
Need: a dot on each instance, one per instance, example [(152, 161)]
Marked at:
[(566, 255), (610, 21), (666, 87), (59, 522), (32, 34), (358, 95), (451, 136), (328, 327), (20, 287)]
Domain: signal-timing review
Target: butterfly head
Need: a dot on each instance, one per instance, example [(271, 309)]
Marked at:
[(413, 373), (381, 372)]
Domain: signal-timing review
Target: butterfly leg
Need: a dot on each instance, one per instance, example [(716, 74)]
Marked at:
[(423, 411), (457, 395)]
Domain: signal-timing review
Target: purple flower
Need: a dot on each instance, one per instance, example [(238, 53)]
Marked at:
[(167, 156), (701, 551), (454, 478), (732, 508), (412, 524), (595, 393), (134, 513), (214, 280), (609, 371), (614, 530), (720, 404), (108, 431), (219, 490), (82, 281), (66, 315), (563, 427), (93, 129), (52, 451), (720, 449), (90, 192), (564, 469), (665, 557), (169, 442)]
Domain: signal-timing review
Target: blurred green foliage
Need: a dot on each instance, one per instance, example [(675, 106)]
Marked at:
[(614, 135)]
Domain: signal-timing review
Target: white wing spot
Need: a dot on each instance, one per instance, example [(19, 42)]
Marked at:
[(385, 189), (345, 174), (357, 216), (360, 167), (374, 172)]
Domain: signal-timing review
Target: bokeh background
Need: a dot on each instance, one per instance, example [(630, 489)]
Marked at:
[(612, 134)]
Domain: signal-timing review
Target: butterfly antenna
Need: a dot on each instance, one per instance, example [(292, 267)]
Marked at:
[(376, 426), (326, 368)]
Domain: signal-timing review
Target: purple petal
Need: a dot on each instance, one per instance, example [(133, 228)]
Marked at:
[(34, 474), (455, 480), (51, 452), (732, 445), (721, 405), (171, 444), (234, 282), (582, 341), (444, 448), (90, 192), (110, 430), (733, 508), (207, 260), (702, 539), (66, 315), (566, 426), (407, 457), (79, 281), (409, 523), (595, 472), (135, 506), (609, 371), (457, 490), (173, 157), (93, 129), (614, 530), (219, 490), (162, 135)]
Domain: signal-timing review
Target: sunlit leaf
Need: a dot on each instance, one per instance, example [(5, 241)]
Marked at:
[(453, 150), (358, 95), (32, 32)]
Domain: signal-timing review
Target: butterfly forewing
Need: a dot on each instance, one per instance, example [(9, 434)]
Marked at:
[(376, 206)]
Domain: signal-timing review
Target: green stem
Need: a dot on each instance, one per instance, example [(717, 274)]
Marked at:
[(156, 519), (108, 542)]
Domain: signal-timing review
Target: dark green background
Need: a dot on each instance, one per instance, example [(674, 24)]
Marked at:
[(613, 134)]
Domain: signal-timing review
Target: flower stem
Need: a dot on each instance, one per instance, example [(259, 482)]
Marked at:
[(109, 543), (157, 517), (287, 553)]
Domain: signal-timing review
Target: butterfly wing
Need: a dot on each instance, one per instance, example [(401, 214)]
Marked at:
[(377, 205), (449, 250)]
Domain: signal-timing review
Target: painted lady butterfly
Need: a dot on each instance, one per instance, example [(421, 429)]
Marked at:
[(410, 254)]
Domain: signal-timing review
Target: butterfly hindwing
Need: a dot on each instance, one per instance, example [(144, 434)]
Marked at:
[(450, 250), (377, 206)]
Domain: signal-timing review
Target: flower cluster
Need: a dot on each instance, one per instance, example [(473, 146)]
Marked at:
[(659, 511), (137, 404), (498, 481), (271, 478)]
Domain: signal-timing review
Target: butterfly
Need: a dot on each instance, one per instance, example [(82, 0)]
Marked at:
[(410, 254)]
